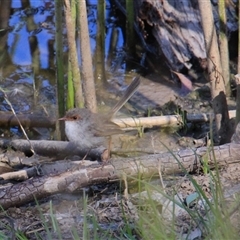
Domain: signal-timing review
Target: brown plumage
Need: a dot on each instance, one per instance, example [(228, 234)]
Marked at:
[(91, 130)]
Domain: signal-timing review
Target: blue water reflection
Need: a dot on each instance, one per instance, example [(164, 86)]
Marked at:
[(29, 56), (24, 26), (38, 20)]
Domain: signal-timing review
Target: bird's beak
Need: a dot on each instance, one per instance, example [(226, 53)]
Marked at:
[(62, 119)]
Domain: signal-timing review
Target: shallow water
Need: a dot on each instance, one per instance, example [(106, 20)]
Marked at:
[(27, 62)]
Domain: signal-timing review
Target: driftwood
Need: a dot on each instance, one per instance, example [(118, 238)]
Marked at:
[(147, 167)]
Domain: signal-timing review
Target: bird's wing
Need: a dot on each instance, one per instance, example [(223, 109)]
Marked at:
[(107, 128)]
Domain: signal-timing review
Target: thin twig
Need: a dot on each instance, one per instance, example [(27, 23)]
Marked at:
[(14, 113)]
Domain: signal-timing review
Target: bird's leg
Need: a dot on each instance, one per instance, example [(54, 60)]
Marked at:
[(106, 160), (109, 147)]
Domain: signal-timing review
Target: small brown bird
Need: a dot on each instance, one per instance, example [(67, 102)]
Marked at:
[(91, 130)]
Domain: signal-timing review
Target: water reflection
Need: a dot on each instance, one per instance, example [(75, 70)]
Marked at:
[(27, 53), (27, 69), (36, 20)]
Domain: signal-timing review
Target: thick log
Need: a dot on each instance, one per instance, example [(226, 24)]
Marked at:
[(61, 150), (147, 167), (38, 188)]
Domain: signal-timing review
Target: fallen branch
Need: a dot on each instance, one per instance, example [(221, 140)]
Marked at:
[(7, 119), (20, 175), (53, 149), (145, 166)]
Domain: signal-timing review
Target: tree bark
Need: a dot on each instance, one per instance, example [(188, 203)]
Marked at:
[(215, 73), (148, 167), (53, 149)]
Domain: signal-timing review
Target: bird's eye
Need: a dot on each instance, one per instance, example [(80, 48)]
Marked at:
[(75, 118)]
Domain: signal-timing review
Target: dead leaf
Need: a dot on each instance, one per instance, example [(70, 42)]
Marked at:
[(186, 83)]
